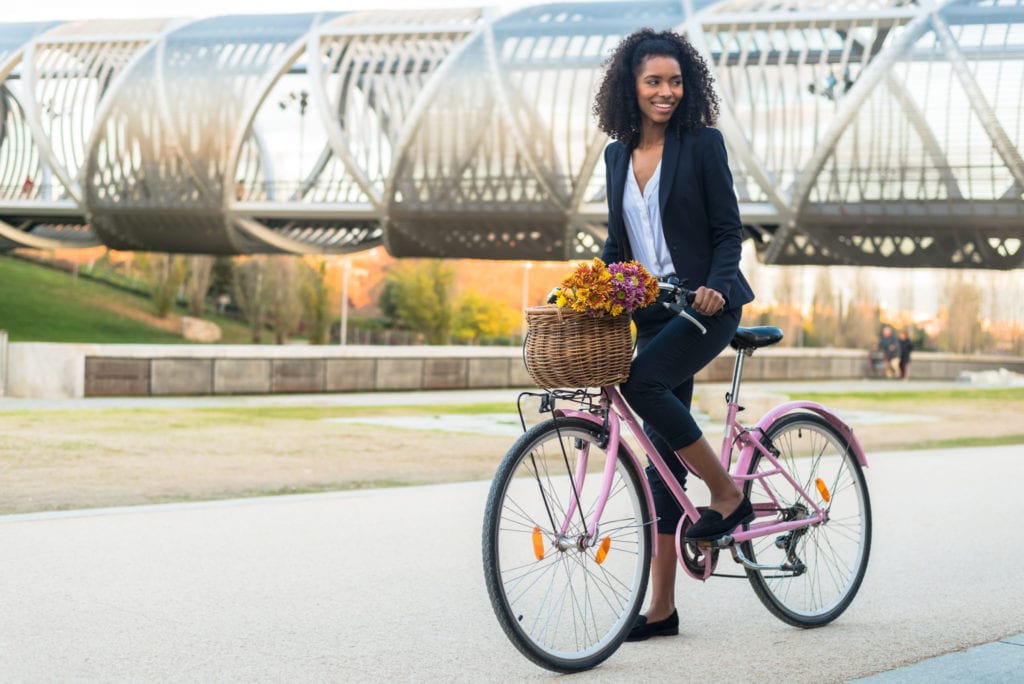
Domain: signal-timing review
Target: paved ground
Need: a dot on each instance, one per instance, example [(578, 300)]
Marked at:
[(386, 584)]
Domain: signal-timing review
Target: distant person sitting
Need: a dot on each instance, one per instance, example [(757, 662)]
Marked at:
[(889, 345), (906, 346)]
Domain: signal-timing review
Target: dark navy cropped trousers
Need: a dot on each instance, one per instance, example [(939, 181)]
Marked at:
[(670, 351)]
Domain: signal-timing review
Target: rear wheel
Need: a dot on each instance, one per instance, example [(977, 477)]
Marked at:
[(564, 598), (824, 564)]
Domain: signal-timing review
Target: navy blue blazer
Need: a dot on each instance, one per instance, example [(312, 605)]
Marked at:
[(699, 213)]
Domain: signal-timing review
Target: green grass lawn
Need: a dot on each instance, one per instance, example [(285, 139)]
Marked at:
[(40, 304), (944, 396)]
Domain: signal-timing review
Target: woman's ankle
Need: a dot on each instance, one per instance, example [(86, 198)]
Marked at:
[(727, 502), (659, 613)]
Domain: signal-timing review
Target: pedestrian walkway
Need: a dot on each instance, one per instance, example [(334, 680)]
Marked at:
[(999, 662), (386, 584), (379, 585)]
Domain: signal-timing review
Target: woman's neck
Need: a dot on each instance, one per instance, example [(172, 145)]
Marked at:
[(652, 135)]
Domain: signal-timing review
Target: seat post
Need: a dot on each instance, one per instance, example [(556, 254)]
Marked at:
[(737, 375)]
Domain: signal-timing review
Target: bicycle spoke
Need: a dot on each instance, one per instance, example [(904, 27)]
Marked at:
[(553, 598), (833, 553)]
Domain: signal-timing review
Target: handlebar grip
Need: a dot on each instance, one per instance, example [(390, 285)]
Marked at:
[(676, 286)]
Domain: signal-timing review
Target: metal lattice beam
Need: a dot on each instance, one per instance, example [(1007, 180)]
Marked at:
[(866, 133)]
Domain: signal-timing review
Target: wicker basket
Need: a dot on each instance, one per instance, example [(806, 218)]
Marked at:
[(565, 348)]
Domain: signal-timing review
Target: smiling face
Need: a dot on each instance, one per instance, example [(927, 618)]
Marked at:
[(659, 88)]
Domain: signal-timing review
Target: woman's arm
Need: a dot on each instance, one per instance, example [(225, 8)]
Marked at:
[(612, 250), (723, 213)]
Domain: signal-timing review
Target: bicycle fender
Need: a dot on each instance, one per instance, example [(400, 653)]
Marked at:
[(809, 406), (570, 413)]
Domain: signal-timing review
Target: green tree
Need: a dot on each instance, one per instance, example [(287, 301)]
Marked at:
[(417, 294), (251, 294), (166, 273), (315, 302), (200, 270), (285, 303), (222, 277), (479, 319)]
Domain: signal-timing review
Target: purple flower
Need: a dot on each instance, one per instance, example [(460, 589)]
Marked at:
[(631, 286)]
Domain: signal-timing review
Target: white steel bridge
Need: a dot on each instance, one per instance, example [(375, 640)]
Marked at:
[(875, 132)]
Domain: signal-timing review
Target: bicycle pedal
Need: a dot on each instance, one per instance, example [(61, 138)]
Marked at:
[(723, 542)]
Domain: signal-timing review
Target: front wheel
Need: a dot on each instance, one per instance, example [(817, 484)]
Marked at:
[(822, 565), (565, 598)]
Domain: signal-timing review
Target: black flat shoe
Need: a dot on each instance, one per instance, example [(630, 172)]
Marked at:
[(642, 629), (712, 525)]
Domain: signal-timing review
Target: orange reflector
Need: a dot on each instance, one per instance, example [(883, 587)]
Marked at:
[(602, 552), (823, 490), (538, 543)]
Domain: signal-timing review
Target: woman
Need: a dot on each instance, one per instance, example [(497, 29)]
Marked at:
[(671, 206), (906, 347)]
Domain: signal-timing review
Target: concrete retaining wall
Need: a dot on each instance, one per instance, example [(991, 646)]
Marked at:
[(47, 370), (3, 362)]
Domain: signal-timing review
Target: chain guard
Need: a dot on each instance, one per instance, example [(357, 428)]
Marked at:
[(694, 559)]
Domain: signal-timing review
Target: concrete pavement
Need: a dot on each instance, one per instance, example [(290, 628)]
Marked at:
[(386, 584), (440, 397)]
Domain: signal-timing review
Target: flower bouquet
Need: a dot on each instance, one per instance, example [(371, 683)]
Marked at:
[(583, 340), (597, 289)]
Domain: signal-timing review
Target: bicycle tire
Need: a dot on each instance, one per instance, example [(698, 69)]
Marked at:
[(565, 611), (835, 553)]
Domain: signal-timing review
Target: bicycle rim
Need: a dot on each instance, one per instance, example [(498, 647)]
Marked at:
[(834, 554), (562, 608)]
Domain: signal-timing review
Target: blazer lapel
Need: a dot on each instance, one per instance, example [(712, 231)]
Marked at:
[(669, 160), (619, 170)]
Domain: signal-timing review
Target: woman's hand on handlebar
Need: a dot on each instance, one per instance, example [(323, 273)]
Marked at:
[(708, 302)]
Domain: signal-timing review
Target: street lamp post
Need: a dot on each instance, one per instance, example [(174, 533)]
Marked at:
[(301, 100), (346, 270)]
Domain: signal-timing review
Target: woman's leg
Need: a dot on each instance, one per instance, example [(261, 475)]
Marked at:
[(663, 579), (725, 495), (668, 512), (670, 353)]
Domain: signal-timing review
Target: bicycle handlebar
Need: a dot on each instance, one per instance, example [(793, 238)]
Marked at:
[(682, 298)]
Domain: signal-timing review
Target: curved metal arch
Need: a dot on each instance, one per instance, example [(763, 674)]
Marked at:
[(976, 97), (336, 136), (34, 120), (870, 77), (469, 162), (737, 140), (405, 136), (262, 90), (26, 204), (179, 145)]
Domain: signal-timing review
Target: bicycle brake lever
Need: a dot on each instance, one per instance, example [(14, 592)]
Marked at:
[(681, 312)]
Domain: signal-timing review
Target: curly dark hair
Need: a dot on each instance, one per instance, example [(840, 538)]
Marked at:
[(616, 107)]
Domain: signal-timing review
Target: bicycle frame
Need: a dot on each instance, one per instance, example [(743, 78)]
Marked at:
[(617, 411)]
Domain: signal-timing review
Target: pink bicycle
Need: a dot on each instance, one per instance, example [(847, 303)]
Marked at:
[(568, 529)]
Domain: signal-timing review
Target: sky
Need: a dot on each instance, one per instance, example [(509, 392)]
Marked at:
[(48, 10)]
